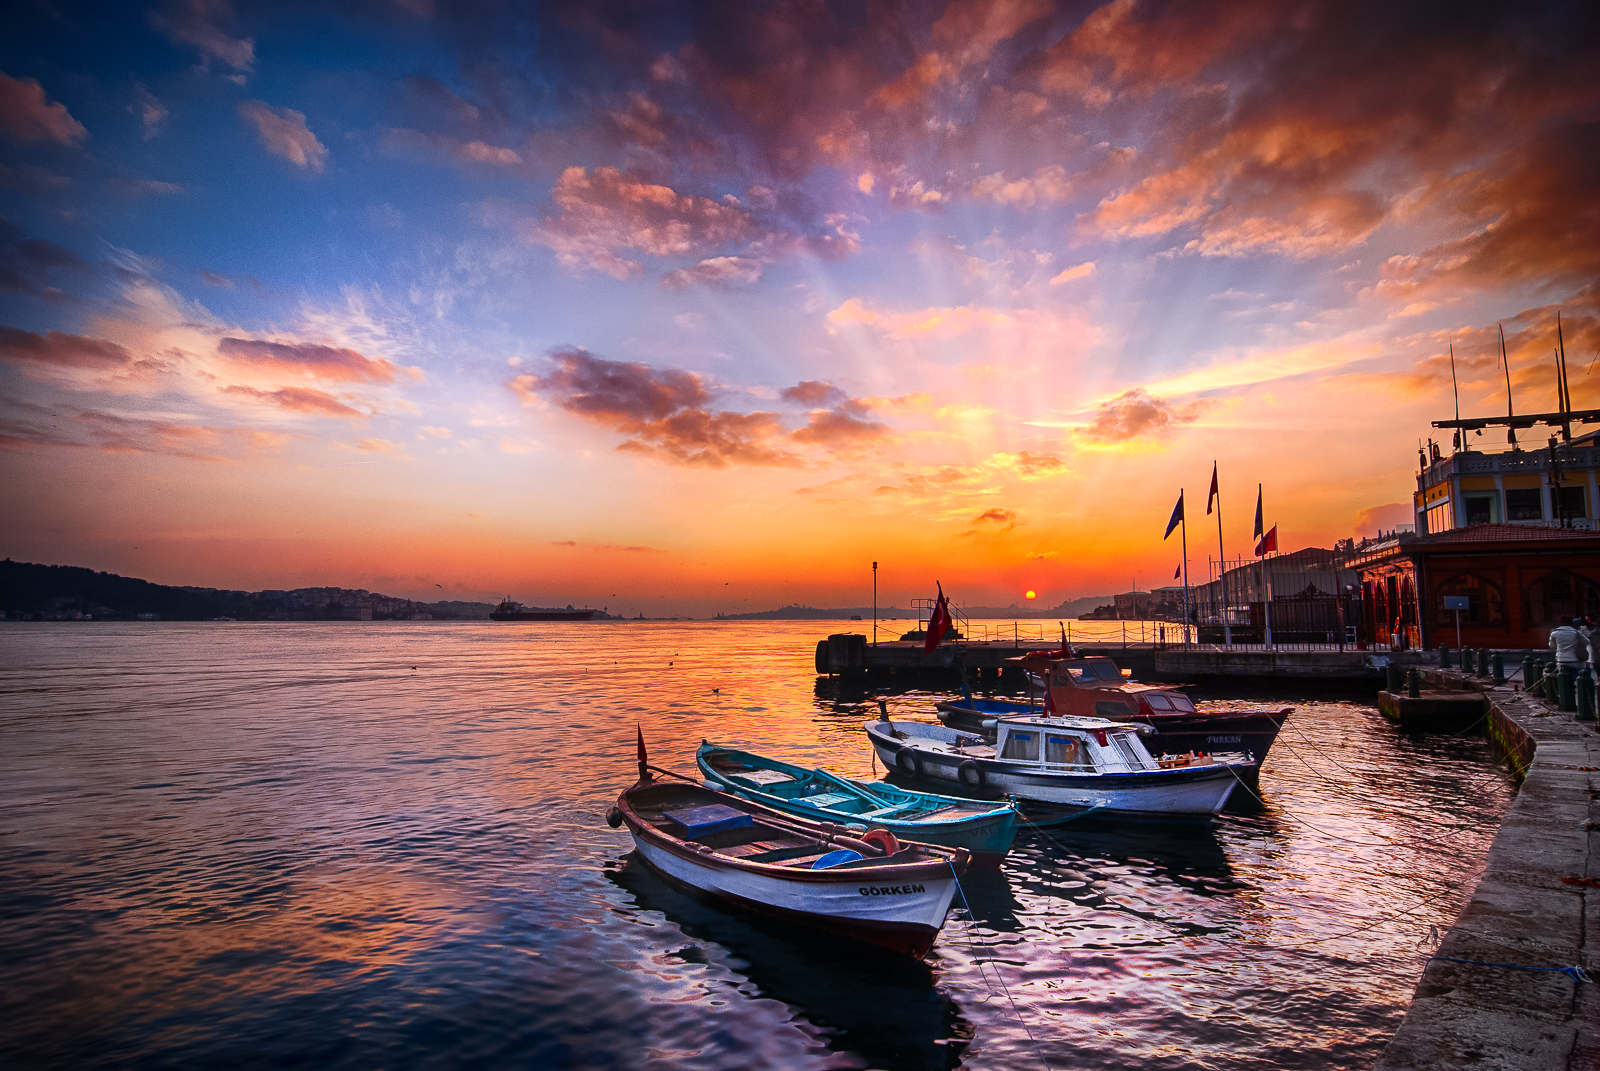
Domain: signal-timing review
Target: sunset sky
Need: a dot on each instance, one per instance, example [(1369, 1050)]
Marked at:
[(707, 306)]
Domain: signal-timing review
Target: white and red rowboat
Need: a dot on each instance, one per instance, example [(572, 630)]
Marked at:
[(869, 886)]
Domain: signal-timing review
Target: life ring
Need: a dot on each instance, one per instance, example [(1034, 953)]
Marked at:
[(614, 818), (971, 774), (908, 762), (882, 839)]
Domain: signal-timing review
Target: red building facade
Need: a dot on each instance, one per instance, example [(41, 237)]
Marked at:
[(1518, 581)]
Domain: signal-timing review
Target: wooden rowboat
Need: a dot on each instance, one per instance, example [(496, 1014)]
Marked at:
[(983, 827), (870, 888)]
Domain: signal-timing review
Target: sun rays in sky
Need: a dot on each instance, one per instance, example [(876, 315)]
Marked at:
[(711, 305)]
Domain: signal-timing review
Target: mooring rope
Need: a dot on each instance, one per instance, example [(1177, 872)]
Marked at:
[(1575, 972), (978, 959)]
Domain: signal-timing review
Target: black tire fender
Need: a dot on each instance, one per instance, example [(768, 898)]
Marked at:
[(614, 818), (971, 774), (908, 763), (822, 658)]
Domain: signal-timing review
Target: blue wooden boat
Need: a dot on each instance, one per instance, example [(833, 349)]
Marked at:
[(983, 827)]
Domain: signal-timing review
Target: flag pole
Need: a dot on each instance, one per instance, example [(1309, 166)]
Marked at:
[(1222, 561), (1183, 539)]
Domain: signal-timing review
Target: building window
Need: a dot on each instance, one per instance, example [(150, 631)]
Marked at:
[(1483, 508), (1561, 594), (1487, 607), (1525, 504), (1440, 518), (1572, 502)]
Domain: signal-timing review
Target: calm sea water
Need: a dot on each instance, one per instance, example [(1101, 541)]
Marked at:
[(383, 845)]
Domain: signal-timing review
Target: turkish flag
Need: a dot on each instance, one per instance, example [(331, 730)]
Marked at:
[(1212, 497), (938, 622), (1269, 542)]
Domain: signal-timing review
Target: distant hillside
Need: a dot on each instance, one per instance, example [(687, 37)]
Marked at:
[(67, 592), (797, 612)]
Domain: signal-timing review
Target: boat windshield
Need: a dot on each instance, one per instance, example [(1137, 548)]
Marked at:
[(1181, 702), (1130, 757), (1106, 671), (1060, 750), (1079, 671), (1021, 746), (1158, 701)]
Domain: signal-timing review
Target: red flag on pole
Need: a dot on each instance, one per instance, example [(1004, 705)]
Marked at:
[(938, 622), (1212, 497), (1066, 648), (644, 760), (1177, 572), (1269, 542)]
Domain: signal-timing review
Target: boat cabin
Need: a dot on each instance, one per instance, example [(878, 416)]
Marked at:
[(1072, 744), (1094, 687)]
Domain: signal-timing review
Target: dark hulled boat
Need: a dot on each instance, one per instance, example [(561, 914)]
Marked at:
[(514, 611)]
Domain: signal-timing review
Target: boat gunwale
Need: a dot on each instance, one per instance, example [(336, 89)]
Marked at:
[(1172, 775), (981, 810), (710, 858)]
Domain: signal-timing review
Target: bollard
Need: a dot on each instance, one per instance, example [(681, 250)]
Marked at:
[(1444, 657), (1566, 686), (1527, 672), (1483, 661), (1391, 678), (1585, 694), (1466, 660), (1414, 683), (1497, 665)]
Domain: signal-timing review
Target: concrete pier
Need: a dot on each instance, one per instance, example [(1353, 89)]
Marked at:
[(1469, 1015), (1433, 710), (851, 653)]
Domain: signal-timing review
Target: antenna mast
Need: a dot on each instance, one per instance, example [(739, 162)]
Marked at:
[(1566, 388), (1511, 417)]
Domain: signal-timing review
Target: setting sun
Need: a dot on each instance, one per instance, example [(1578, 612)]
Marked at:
[(1031, 595)]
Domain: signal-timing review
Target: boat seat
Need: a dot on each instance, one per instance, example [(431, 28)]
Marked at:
[(785, 855), (825, 799), (762, 777)]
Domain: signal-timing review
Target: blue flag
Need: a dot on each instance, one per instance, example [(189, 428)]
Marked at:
[(1177, 516)]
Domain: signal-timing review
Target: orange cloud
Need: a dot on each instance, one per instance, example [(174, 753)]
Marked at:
[(299, 400), (26, 114), (61, 350), (1135, 414), (664, 411), (284, 133), (302, 358), (606, 212), (840, 428), (200, 24)]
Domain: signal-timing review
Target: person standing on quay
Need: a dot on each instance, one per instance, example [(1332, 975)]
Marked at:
[(1568, 644)]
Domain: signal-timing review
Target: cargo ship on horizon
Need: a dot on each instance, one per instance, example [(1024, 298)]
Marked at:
[(515, 611)]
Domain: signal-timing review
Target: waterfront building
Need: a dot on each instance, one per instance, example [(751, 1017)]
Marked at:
[(1133, 605), (1556, 484), (1518, 580), (1307, 596)]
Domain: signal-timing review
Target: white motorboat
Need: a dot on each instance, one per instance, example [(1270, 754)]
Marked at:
[(1071, 762)]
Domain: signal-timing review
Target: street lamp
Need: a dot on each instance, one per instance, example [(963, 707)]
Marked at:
[(874, 604)]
